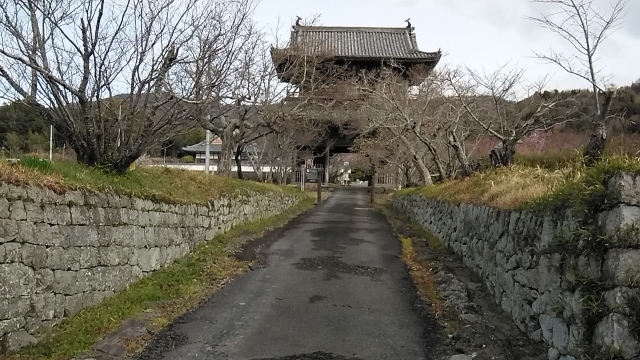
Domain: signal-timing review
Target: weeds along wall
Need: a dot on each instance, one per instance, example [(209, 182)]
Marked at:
[(568, 279), (62, 253)]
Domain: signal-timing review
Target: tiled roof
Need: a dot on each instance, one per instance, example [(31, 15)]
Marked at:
[(216, 146), (360, 43)]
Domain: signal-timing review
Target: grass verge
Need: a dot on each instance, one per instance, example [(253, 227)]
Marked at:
[(154, 183), (422, 275), (421, 270), (553, 186), (423, 264), (161, 297)]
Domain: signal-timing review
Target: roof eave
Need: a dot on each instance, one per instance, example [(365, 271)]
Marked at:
[(429, 57), (383, 59)]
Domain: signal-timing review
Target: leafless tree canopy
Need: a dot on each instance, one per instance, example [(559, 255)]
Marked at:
[(393, 113), (280, 97), (506, 106), (434, 126), (117, 77), (585, 28)]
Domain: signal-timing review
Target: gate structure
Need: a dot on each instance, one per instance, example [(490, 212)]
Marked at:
[(356, 51)]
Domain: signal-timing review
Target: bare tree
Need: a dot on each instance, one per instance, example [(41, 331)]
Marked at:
[(389, 107), (118, 77), (235, 115), (429, 119), (507, 107), (257, 152), (384, 148), (459, 130), (585, 28), (450, 127), (280, 154)]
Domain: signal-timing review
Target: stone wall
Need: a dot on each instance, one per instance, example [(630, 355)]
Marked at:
[(62, 253), (565, 280)]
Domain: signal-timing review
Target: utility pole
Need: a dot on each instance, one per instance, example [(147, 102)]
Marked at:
[(50, 142), (207, 147), (207, 150)]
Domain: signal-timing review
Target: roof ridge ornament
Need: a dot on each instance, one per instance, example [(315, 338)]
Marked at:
[(411, 28), (298, 24)]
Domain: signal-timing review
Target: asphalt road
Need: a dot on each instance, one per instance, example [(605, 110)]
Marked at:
[(332, 286)]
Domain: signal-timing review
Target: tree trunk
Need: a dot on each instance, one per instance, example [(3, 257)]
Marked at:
[(122, 165), (460, 154), (598, 141), (596, 146), (425, 175), (224, 164), (279, 174), (434, 153), (294, 168), (504, 153), (407, 176), (239, 161), (436, 159)]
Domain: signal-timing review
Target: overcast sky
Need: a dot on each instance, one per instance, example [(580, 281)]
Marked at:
[(476, 33)]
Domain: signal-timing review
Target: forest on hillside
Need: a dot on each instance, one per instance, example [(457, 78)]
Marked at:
[(23, 130)]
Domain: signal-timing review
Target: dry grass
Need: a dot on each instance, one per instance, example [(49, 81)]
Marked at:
[(154, 183), (556, 184), (422, 275), (506, 188), (420, 270)]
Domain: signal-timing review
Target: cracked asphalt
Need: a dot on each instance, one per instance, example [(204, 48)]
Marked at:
[(331, 287)]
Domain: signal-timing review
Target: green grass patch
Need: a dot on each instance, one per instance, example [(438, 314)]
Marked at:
[(35, 163), (586, 189), (165, 294), (154, 183)]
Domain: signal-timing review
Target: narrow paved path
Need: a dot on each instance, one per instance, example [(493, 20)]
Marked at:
[(331, 287)]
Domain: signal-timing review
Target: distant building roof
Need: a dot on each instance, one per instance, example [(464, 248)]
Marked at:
[(361, 43), (201, 147), (216, 146)]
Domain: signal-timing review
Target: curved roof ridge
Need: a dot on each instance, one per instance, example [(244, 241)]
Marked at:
[(352, 28), (359, 42)]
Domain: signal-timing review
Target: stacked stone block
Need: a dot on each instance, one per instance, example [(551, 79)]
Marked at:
[(61, 253), (577, 302)]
